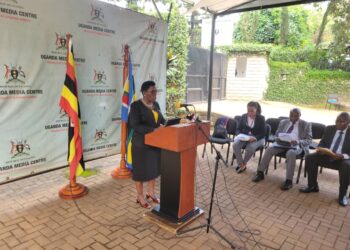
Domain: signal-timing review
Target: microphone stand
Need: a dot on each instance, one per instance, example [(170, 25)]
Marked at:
[(208, 225)]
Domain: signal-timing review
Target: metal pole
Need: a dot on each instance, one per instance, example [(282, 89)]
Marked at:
[(211, 66)]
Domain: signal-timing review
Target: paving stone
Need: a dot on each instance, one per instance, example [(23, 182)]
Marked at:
[(34, 217)]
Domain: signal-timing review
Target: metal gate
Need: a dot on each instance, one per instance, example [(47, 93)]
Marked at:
[(198, 75)]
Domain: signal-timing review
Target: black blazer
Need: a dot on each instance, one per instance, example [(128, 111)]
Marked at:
[(328, 136), (258, 131), (141, 119)]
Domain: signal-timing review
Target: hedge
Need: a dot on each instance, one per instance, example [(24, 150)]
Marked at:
[(303, 85)]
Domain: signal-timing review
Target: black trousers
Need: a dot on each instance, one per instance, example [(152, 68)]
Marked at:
[(314, 160)]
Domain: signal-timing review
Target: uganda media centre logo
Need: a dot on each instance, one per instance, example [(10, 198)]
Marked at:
[(14, 75), (152, 28), (150, 35), (61, 41), (100, 136), (96, 14), (19, 148), (99, 77)]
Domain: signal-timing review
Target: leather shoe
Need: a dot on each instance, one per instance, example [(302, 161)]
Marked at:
[(309, 189), (343, 201), (288, 184), (258, 177), (241, 169)]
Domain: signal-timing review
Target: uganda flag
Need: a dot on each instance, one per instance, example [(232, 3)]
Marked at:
[(70, 104), (129, 96)]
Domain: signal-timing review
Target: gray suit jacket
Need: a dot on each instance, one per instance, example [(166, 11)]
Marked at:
[(304, 129)]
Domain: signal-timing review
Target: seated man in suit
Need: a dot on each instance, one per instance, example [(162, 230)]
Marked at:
[(293, 127), (337, 139)]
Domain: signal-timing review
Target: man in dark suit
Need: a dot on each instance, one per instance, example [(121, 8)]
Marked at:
[(337, 139), (296, 128)]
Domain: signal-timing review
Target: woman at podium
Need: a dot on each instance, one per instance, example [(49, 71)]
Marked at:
[(145, 117)]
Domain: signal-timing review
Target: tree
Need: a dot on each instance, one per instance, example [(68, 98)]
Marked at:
[(324, 23), (177, 59), (339, 50), (284, 26), (247, 27), (195, 29), (279, 25)]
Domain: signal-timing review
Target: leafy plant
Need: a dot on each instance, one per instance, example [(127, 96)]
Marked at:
[(177, 60)]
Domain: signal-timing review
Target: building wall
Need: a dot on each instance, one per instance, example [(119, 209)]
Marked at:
[(253, 85)]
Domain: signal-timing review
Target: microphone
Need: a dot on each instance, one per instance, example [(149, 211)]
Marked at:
[(182, 105)]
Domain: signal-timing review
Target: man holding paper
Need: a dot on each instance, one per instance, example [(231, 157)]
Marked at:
[(293, 137), (333, 152)]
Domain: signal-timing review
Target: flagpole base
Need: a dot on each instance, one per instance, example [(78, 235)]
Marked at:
[(73, 192), (121, 173)]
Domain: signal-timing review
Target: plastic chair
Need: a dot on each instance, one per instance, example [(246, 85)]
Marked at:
[(332, 99), (230, 126), (273, 122), (317, 133)]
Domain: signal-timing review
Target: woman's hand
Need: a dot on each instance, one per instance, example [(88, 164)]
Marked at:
[(160, 126), (252, 139), (294, 142), (338, 157)]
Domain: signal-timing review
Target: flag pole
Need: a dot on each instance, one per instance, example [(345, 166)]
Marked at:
[(123, 172), (73, 190)]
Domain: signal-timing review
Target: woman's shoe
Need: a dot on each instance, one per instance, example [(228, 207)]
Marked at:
[(144, 205), (154, 199), (242, 169)]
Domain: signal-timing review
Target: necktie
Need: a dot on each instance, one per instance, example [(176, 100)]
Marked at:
[(290, 129), (337, 142)]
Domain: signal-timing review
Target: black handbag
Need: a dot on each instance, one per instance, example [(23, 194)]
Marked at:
[(220, 131)]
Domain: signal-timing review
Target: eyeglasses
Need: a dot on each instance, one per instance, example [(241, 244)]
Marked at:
[(153, 91)]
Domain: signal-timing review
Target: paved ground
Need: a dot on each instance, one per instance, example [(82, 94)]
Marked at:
[(250, 215), (270, 109), (33, 217)]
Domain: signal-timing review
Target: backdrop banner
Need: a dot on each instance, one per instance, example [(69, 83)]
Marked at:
[(33, 129)]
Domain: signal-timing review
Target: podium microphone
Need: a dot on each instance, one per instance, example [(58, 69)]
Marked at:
[(190, 115), (183, 105)]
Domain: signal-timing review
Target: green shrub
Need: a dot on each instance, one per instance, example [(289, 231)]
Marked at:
[(285, 54), (303, 85), (246, 48)]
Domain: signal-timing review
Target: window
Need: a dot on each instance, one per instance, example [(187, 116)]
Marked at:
[(241, 66)]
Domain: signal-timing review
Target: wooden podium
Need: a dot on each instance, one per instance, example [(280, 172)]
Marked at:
[(178, 156)]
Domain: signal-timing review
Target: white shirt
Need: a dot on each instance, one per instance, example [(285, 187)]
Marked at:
[(339, 150), (295, 131), (250, 122)]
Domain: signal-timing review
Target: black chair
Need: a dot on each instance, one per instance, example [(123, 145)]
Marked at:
[(273, 122), (230, 125), (231, 128), (237, 118), (261, 148), (317, 133), (283, 155)]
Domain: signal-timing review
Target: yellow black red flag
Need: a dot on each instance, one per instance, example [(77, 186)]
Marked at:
[(70, 104)]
